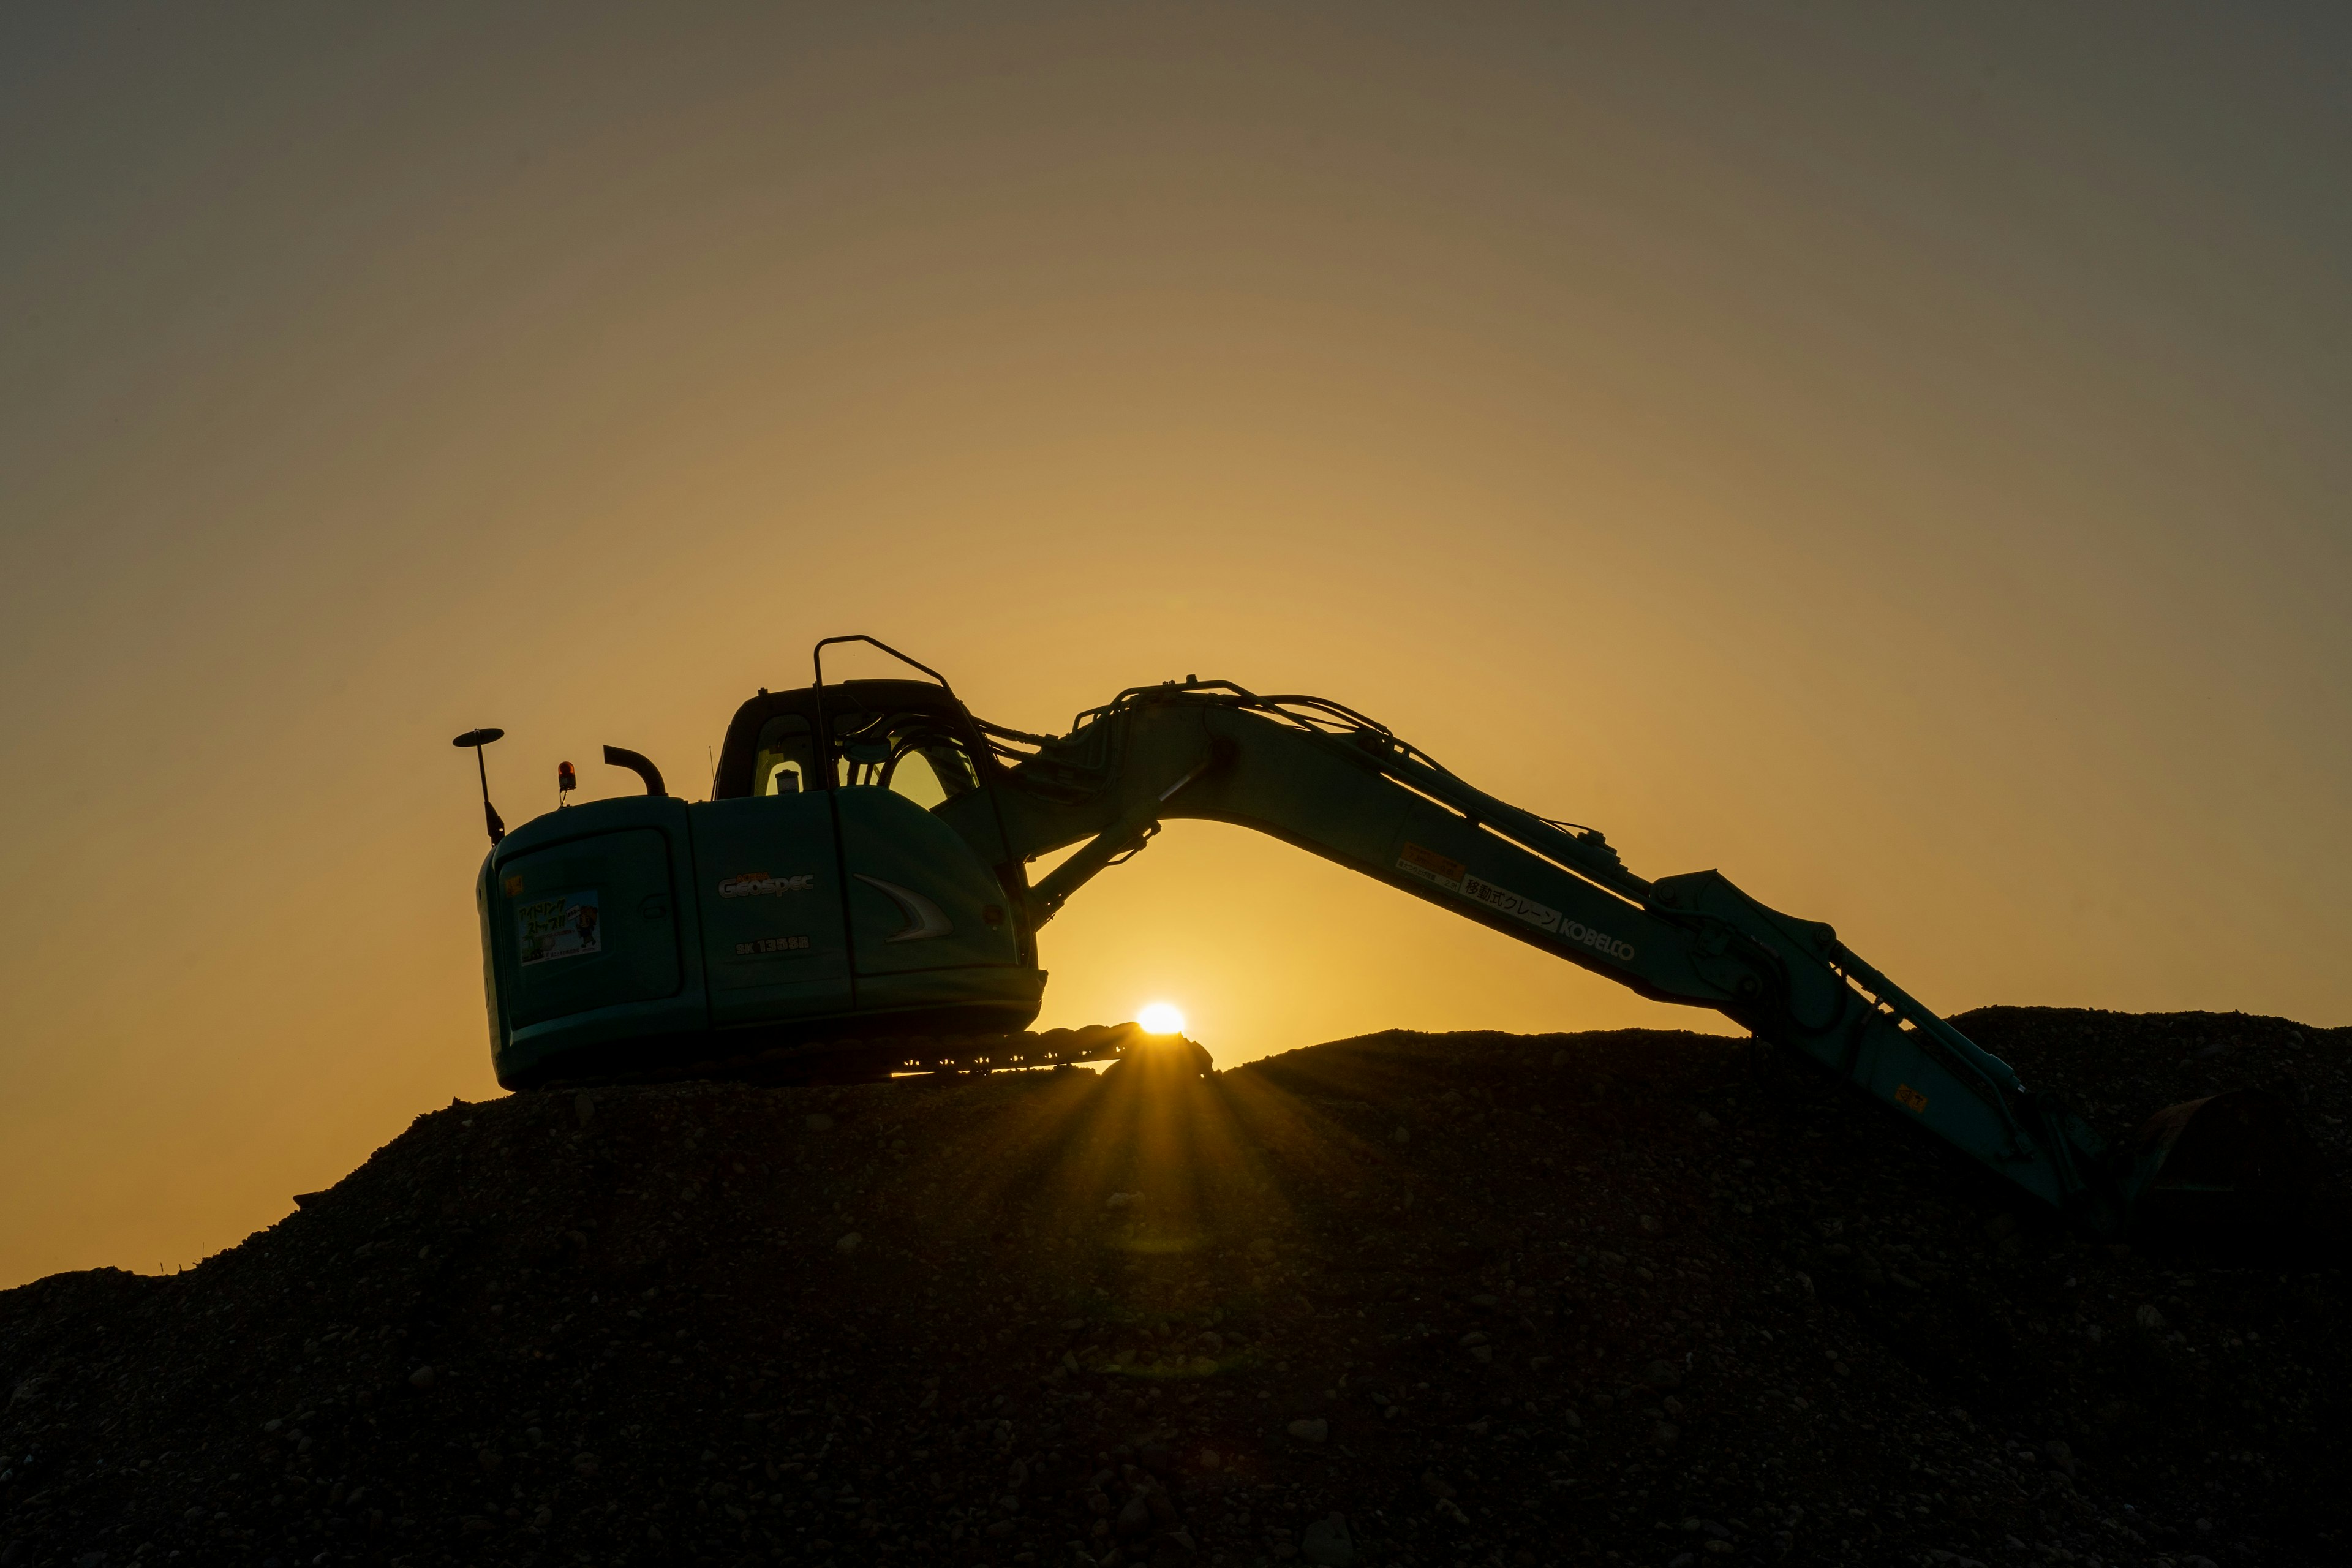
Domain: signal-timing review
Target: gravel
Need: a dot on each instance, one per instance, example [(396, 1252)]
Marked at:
[(1725, 1318)]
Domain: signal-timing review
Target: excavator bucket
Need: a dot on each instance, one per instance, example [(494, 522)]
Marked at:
[(1161, 1059), (2230, 1168)]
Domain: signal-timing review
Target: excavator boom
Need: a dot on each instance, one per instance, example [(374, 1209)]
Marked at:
[(1340, 785), (856, 897)]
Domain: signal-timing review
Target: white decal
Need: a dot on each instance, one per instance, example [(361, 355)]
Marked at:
[(1454, 877), (562, 927), (771, 944), (750, 884), (924, 919)]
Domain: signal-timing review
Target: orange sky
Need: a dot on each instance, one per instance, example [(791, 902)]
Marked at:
[(1899, 460)]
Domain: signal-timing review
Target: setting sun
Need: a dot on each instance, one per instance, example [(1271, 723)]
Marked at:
[(1162, 1018)]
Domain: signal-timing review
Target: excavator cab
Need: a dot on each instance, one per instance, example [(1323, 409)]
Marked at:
[(847, 880)]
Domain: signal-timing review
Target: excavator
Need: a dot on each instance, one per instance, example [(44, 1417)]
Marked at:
[(853, 901)]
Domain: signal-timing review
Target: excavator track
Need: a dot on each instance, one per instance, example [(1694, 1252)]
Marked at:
[(869, 1059)]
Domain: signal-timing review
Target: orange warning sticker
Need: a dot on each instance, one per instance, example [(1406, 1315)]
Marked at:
[(1428, 864), (1909, 1099)]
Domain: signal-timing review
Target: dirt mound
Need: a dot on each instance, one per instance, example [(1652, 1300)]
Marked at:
[(1402, 1300)]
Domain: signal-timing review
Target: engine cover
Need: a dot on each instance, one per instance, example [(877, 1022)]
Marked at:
[(630, 934)]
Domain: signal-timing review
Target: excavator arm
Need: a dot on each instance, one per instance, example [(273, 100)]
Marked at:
[(1340, 785)]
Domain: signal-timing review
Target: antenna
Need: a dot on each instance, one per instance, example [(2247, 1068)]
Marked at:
[(478, 739)]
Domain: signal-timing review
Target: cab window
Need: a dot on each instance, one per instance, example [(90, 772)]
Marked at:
[(912, 776), (785, 763), (911, 754)]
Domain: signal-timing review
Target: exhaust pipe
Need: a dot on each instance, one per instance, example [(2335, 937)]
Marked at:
[(638, 763)]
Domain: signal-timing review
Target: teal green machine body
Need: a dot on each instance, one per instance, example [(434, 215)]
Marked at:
[(848, 878)]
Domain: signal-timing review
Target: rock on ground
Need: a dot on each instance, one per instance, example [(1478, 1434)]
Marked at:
[(1611, 1298)]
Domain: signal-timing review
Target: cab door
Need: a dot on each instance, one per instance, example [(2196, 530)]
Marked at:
[(767, 882)]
